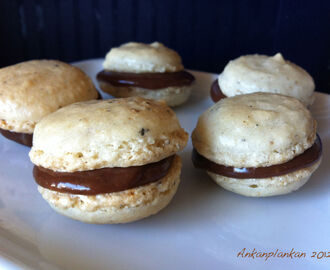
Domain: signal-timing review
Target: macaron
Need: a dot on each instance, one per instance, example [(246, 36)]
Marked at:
[(33, 89), (259, 144), (146, 70), (110, 161), (261, 73)]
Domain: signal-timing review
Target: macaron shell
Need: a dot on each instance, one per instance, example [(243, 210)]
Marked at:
[(260, 73), (140, 57), (33, 89), (254, 130), (173, 96), (264, 187), (118, 207), (109, 133)]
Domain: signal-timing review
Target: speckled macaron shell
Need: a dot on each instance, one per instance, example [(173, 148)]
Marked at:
[(254, 130), (109, 133), (140, 58), (261, 73)]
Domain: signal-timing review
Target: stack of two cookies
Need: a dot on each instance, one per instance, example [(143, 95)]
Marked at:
[(257, 144), (147, 70), (110, 161)]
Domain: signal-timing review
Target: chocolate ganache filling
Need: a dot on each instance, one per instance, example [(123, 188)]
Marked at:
[(22, 138), (216, 93), (152, 81), (99, 97), (304, 160), (103, 180), (25, 138)]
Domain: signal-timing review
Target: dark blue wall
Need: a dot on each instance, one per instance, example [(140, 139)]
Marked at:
[(207, 34)]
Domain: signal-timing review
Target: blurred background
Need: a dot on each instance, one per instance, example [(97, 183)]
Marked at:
[(206, 33)]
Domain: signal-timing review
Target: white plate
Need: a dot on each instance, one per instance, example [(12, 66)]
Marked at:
[(204, 227)]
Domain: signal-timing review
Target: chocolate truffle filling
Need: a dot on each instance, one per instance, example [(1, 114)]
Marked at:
[(104, 180), (99, 97), (22, 138), (306, 159), (216, 93), (152, 81)]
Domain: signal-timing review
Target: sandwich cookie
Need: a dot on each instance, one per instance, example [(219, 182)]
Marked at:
[(147, 70), (111, 161), (260, 73), (31, 90), (259, 144)]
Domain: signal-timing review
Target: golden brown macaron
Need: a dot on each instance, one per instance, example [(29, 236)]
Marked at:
[(33, 89)]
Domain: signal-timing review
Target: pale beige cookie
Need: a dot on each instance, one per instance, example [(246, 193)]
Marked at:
[(254, 130), (117, 207), (264, 187), (261, 73), (109, 133), (118, 133), (241, 138), (31, 90), (139, 58), (173, 96)]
